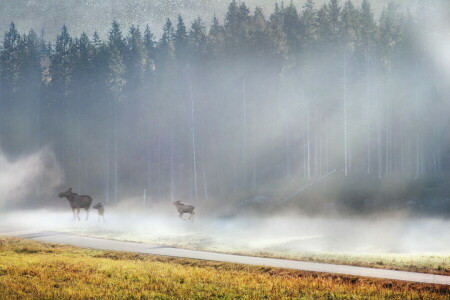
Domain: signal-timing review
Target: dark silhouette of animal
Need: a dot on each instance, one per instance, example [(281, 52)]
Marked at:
[(101, 211), (77, 202), (184, 209)]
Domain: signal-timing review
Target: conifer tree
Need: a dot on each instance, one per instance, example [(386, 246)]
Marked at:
[(180, 41), (136, 59)]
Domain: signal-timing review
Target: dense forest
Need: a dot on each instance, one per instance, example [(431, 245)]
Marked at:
[(249, 104)]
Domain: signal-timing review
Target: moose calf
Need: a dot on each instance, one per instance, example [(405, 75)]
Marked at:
[(101, 211)]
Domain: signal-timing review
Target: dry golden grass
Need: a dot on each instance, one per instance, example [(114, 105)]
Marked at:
[(30, 269)]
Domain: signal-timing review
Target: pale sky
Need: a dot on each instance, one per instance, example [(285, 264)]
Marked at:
[(90, 15)]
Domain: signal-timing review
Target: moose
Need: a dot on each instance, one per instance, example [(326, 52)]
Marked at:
[(101, 211), (184, 209), (77, 202)]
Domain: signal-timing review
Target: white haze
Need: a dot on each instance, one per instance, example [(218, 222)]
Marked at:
[(278, 235), (27, 179)]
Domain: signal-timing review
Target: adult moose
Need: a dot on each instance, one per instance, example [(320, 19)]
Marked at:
[(77, 202), (184, 209)]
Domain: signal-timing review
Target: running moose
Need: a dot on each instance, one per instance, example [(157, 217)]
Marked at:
[(184, 209)]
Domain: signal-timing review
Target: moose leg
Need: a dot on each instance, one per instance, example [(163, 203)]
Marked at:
[(78, 214), (87, 214), (181, 215), (74, 215)]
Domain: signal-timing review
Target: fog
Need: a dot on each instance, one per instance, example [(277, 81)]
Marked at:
[(26, 179), (317, 126), (282, 235)]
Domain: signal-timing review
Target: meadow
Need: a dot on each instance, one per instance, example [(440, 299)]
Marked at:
[(30, 269)]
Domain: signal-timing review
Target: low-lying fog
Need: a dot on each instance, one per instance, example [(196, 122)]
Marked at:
[(288, 235), (159, 223)]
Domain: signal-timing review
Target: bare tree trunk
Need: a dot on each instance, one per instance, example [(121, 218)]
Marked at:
[(85, 174), (320, 145), (191, 194), (235, 174), (205, 185), (308, 145), (418, 163), (254, 166), (435, 143), (304, 160), (149, 169), (379, 153), (288, 155), (193, 138), (244, 132), (159, 164), (327, 167), (402, 141), (79, 142), (345, 117), (107, 173), (368, 116), (391, 140), (115, 154), (219, 176), (387, 138), (172, 184)]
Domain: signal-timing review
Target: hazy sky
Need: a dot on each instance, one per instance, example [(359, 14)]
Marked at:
[(90, 15)]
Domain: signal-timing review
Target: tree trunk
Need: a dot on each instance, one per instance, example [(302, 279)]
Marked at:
[(194, 154)]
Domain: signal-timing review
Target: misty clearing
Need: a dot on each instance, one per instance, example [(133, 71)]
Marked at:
[(292, 128)]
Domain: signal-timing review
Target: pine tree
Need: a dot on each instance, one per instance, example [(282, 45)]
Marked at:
[(334, 17), (116, 72), (291, 26), (180, 41), (308, 21), (61, 66), (198, 41), (150, 47), (10, 63), (165, 48), (216, 39), (136, 59), (350, 25), (116, 39), (237, 26)]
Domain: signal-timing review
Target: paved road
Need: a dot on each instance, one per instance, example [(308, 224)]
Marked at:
[(103, 244)]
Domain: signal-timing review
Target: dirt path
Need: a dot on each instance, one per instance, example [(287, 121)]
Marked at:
[(103, 244)]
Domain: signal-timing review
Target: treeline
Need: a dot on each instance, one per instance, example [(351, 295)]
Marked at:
[(219, 111)]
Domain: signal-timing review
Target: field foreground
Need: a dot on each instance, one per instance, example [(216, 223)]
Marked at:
[(30, 269)]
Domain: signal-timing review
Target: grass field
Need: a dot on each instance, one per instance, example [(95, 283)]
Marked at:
[(29, 269)]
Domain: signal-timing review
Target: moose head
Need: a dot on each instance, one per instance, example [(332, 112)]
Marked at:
[(67, 193)]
